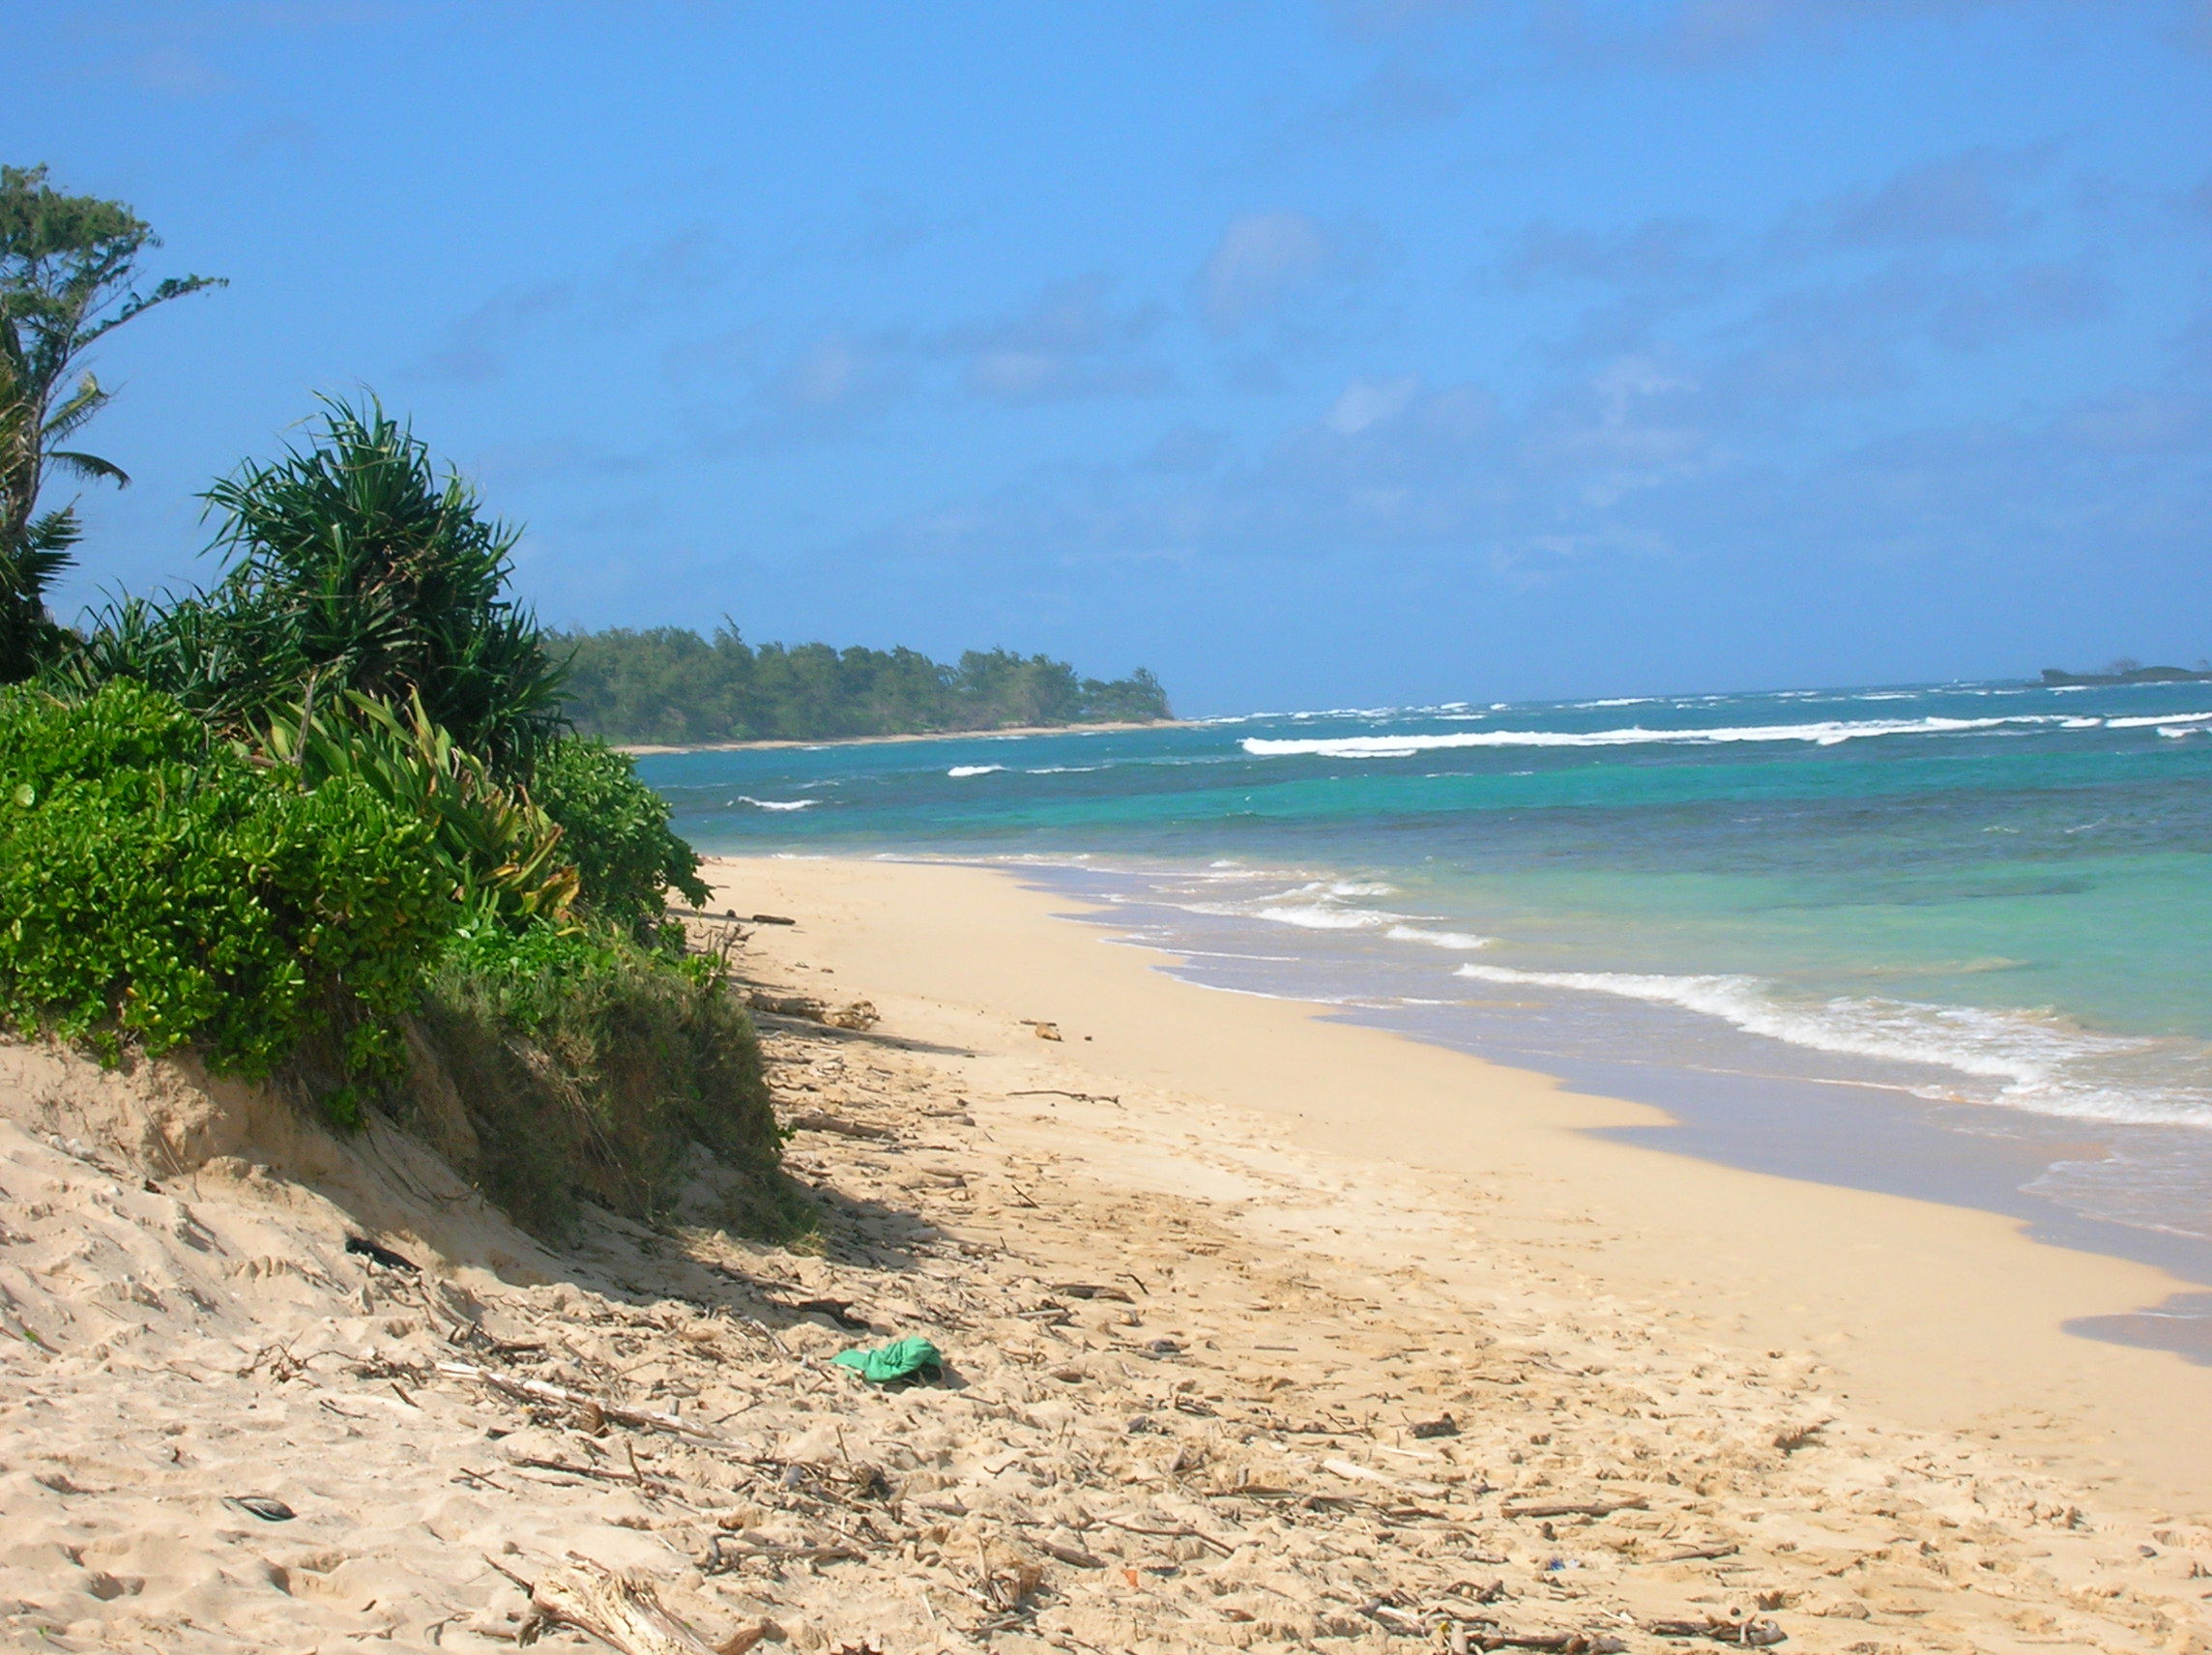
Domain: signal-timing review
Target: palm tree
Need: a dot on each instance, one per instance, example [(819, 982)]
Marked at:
[(67, 269)]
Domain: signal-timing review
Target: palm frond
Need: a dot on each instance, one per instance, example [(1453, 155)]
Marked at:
[(91, 467)]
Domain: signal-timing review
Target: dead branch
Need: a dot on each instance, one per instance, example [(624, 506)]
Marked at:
[(538, 1390), (1578, 1508)]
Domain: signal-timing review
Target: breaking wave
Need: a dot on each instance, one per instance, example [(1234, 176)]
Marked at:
[(2035, 1061), (1823, 732)]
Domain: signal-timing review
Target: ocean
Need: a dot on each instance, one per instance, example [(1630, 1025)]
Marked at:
[(1951, 941)]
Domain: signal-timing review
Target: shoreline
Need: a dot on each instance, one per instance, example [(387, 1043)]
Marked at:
[(654, 749), (1945, 1318)]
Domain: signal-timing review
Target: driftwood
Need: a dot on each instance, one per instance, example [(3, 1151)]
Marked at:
[(1715, 1548), (1578, 1508), (857, 1017), (821, 1120), (1755, 1633), (723, 1553), (619, 1610), (1092, 1290), (538, 1390)]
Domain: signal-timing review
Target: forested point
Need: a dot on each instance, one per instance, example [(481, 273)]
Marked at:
[(669, 685)]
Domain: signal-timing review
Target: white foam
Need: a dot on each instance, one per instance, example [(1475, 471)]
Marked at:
[(1062, 770), (2035, 1060), (1827, 733), (777, 803), (973, 769), (1437, 939), (2150, 720), (1323, 916)]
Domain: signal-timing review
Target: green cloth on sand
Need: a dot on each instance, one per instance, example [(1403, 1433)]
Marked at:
[(900, 1359)]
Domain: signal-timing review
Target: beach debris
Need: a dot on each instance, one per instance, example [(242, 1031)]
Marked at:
[(909, 1358), (1801, 1436), (619, 1609), (725, 1554), (821, 1120), (856, 1016), (1424, 1429), (1693, 1554), (1753, 1631), (772, 919), (1041, 1029), (594, 1410), (837, 1310), (1357, 1473), (377, 1253), (1092, 1290), (1577, 1508), (1063, 1091), (267, 1507)]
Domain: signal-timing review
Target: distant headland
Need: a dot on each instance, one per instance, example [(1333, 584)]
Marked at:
[(667, 686), (2128, 672)]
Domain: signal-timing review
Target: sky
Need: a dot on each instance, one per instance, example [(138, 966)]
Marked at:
[(1313, 353)]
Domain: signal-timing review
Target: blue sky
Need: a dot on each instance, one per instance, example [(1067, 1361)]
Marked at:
[(1351, 352)]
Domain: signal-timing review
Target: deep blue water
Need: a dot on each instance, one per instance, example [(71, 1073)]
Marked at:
[(1989, 905)]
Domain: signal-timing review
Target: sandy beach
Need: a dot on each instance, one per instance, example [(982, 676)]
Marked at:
[(1261, 1331), (1939, 1317)]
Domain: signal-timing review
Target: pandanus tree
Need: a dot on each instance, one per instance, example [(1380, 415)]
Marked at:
[(68, 267), (354, 566)]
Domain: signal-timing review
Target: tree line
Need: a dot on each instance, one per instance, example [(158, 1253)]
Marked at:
[(669, 684)]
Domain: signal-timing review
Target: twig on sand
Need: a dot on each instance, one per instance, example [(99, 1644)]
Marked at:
[(538, 1390), (1061, 1091), (1578, 1508), (1170, 1534)]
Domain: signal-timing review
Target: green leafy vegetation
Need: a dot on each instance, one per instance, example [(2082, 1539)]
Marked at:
[(592, 1066), (668, 685), (68, 267), (615, 830), (163, 888)]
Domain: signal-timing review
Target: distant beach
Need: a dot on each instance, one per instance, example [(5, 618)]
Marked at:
[(646, 749)]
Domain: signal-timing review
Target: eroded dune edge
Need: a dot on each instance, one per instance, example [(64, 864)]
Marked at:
[(1178, 1412)]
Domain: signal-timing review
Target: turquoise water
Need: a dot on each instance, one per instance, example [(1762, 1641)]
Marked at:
[(1992, 902)]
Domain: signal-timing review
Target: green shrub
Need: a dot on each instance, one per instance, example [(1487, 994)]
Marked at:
[(615, 830), (590, 1065), (502, 853), (158, 885)]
